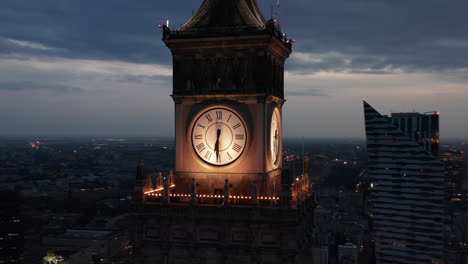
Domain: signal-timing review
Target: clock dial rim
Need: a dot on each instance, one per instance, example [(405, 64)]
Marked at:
[(214, 108)]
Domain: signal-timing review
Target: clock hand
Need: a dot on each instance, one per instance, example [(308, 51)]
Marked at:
[(276, 142), (218, 133)]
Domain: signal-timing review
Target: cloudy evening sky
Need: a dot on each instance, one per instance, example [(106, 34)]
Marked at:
[(99, 68)]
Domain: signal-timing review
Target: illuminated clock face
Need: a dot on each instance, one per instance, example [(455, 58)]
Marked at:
[(219, 136), (274, 138)]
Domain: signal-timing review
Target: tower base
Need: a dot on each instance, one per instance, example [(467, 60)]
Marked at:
[(182, 233)]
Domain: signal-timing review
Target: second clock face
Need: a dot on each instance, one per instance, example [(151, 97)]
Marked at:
[(219, 136), (274, 138)]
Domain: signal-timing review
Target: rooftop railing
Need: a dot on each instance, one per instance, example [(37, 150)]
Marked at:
[(270, 28)]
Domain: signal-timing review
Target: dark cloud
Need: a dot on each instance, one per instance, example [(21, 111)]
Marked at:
[(308, 92), (417, 34), (109, 29), (139, 79), (307, 63), (40, 40), (30, 86), (18, 46), (399, 34)]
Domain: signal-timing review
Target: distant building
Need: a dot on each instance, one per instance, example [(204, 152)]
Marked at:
[(456, 251), (348, 254), (421, 128), (454, 255), (407, 193), (11, 228), (81, 245), (320, 255), (453, 159)]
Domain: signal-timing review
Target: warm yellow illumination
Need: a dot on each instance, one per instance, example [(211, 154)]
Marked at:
[(156, 190), (398, 244), (159, 189), (153, 193)]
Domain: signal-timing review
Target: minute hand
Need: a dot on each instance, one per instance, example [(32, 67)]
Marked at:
[(218, 133)]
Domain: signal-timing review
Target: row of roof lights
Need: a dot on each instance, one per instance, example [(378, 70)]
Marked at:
[(215, 196)]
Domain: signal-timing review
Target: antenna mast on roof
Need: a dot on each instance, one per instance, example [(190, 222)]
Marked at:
[(278, 12)]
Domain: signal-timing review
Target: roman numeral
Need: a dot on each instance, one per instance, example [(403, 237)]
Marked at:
[(239, 136), (219, 115), (229, 156), (236, 148), (229, 118), (209, 118), (236, 125), (208, 155), (198, 125), (200, 147), (198, 136)]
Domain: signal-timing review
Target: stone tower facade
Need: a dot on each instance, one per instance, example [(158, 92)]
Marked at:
[(229, 199)]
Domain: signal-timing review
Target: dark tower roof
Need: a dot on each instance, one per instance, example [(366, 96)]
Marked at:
[(223, 14)]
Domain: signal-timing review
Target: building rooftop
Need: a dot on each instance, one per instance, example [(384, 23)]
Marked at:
[(88, 234)]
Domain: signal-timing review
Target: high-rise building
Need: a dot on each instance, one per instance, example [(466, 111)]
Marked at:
[(229, 199), (320, 255), (348, 254), (454, 161), (407, 194), (421, 128)]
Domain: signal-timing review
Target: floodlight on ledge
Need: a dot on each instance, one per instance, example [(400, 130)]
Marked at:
[(158, 189)]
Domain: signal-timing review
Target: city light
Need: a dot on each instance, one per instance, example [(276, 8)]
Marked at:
[(51, 258)]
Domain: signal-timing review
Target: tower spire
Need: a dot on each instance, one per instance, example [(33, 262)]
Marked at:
[(222, 14)]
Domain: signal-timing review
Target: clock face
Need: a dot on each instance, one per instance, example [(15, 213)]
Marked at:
[(219, 136), (274, 138)]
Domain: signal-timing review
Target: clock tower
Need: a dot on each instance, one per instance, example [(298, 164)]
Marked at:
[(229, 198), (228, 91)]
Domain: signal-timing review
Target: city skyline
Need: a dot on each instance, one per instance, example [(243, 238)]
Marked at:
[(130, 137), (75, 69)]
